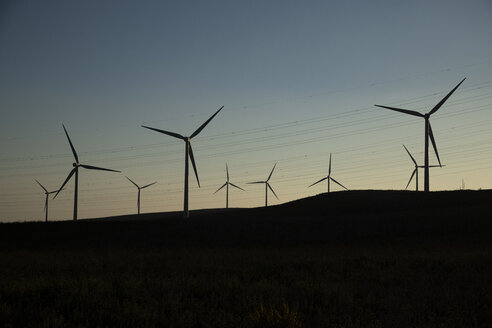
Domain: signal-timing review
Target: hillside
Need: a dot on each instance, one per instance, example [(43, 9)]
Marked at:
[(347, 259), (339, 217)]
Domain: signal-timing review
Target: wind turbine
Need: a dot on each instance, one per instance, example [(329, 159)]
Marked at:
[(226, 184), (416, 171), (428, 131), (328, 178), (47, 193), (75, 171), (188, 153), (140, 188), (267, 186)]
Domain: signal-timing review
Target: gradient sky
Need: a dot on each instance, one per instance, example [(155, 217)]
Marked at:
[(298, 80)]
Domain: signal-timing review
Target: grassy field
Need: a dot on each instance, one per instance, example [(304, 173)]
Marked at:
[(376, 259)]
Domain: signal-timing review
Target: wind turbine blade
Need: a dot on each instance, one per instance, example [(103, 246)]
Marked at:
[(205, 124), (193, 163), (436, 107), (172, 134), (136, 185), (227, 170), (271, 172), (318, 181), (150, 184), (413, 159), (232, 184), (269, 187), (225, 184), (411, 177), (406, 111), (436, 166), (431, 135), (97, 168), (66, 180), (338, 183), (329, 167), (71, 145), (41, 185), (256, 182)]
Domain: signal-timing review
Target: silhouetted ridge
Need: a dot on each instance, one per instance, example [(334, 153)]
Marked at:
[(348, 218)]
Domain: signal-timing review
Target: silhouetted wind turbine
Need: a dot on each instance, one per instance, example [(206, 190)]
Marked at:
[(75, 171), (47, 193), (328, 178), (416, 171), (140, 188), (188, 153), (428, 131), (267, 186), (226, 184)]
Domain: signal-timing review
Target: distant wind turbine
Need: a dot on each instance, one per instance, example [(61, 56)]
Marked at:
[(75, 171), (47, 193), (267, 186), (416, 171), (428, 131), (140, 188), (328, 178), (188, 153), (226, 184)]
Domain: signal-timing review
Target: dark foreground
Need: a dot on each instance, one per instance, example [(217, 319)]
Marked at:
[(349, 259)]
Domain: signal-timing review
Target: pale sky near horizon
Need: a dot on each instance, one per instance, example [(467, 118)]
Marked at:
[(298, 80)]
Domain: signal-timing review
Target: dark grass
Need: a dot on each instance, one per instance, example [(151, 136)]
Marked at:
[(350, 259)]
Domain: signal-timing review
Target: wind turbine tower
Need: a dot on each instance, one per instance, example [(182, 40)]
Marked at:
[(75, 171), (328, 178), (188, 154), (416, 170), (140, 188), (428, 131), (267, 186), (47, 193), (226, 184)]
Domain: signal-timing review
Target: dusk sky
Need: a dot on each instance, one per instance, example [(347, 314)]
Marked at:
[(298, 80)]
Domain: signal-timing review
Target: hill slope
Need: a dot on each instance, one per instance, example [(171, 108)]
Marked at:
[(348, 259), (342, 217)]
